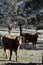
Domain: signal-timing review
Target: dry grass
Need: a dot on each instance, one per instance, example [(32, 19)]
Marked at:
[(24, 56)]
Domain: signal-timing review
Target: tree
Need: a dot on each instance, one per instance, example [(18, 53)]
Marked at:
[(20, 22), (5, 15), (32, 8), (20, 27), (10, 6)]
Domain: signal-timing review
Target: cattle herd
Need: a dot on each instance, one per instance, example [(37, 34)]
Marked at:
[(13, 44)]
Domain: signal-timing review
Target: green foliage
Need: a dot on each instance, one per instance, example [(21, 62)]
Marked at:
[(1, 0), (13, 4)]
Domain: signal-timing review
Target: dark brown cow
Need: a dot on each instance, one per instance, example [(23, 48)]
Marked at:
[(31, 38), (11, 44)]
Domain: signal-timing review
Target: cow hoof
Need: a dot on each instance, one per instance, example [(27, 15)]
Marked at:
[(16, 60), (3, 54), (9, 59), (6, 57)]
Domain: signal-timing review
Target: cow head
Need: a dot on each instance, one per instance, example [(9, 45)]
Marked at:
[(20, 39), (37, 33)]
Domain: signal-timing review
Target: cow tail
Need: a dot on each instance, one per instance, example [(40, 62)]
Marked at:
[(1, 41)]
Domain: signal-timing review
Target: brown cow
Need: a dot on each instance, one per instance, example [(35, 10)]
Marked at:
[(11, 44), (31, 38), (8, 35)]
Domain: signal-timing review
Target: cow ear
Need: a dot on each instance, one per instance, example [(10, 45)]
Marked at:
[(17, 38)]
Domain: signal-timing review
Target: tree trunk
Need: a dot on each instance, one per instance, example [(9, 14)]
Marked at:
[(9, 29), (20, 28)]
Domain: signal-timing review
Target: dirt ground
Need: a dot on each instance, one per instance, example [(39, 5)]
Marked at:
[(24, 56), (29, 55)]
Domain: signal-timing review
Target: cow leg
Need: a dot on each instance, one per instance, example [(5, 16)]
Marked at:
[(5, 53), (10, 55), (16, 55), (25, 44), (33, 44)]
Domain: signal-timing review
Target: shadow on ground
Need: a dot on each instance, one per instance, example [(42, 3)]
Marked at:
[(24, 64), (39, 46)]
